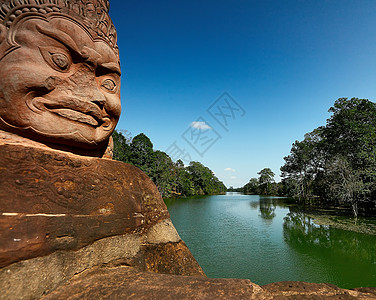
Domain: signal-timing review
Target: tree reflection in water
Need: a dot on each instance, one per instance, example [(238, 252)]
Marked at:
[(267, 206), (302, 234)]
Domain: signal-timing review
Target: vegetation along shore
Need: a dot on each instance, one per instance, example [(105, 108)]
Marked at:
[(335, 164), (173, 179)]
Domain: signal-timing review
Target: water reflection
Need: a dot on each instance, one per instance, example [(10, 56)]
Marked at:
[(301, 233), (271, 240), (267, 207)]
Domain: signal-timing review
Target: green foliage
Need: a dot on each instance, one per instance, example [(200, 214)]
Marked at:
[(172, 179), (204, 180), (142, 154), (265, 181), (343, 183), (303, 164), (264, 185), (252, 187), (184, 183), (163, 173), (336, 162), (122, 150)]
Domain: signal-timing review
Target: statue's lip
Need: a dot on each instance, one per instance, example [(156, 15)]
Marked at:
[(75, 116), (77, 110)]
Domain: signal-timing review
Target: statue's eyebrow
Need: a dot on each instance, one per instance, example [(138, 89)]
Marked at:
[(112, 67), (61, 37), (103, 67)]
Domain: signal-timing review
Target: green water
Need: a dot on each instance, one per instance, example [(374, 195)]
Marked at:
[(265, 240)]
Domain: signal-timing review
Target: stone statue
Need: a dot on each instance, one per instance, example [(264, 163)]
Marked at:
[(59, 73), (63, 208)]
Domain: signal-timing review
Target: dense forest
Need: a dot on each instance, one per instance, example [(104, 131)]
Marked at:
[(173, 179), (335, 164)]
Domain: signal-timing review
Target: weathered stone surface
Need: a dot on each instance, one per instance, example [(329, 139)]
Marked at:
[(171, 258), (51, 200), (163, 232), (35, 277), (369, 290), (304, 290), (127, 283)]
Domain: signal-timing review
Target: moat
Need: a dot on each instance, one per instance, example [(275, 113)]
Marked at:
[(266, 240)]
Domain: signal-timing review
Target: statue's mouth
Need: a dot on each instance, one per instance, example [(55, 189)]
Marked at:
[(75, 116), (76, 110)]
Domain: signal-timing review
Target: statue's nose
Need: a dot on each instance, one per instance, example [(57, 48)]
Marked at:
[(97, 97), (87, 86), (99, 102)]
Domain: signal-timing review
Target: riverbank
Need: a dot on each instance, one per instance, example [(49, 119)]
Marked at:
[(270, 239), (337, 217), (360, 225)]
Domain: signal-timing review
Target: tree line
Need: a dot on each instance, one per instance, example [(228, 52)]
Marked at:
[(172, 179), (263, 185), (334, 164)]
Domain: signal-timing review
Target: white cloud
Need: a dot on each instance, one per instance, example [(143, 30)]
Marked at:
[(233, 177), (230, 170), (200, 125)]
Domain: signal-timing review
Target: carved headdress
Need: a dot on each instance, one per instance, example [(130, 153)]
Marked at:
[(91, 14)]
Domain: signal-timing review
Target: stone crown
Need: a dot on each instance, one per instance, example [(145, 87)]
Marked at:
[(93, 14)]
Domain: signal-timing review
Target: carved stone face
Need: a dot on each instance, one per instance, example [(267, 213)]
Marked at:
[(59, 86)]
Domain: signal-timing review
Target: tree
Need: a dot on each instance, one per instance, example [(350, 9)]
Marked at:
[(122, 150), (351, 133), (252, 187), (183, 180), (142, 153), (337, 162), (204, 181), (344, 185), (304, 163), (162, 173), (265, 179)]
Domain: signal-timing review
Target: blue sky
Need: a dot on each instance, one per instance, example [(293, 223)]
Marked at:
[(283, 63)]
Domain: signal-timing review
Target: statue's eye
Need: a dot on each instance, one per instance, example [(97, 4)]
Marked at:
[(57, 58), (60, 60), (109, 84)]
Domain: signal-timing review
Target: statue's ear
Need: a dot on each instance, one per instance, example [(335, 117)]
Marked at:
[(3, 33), (4, 46)]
